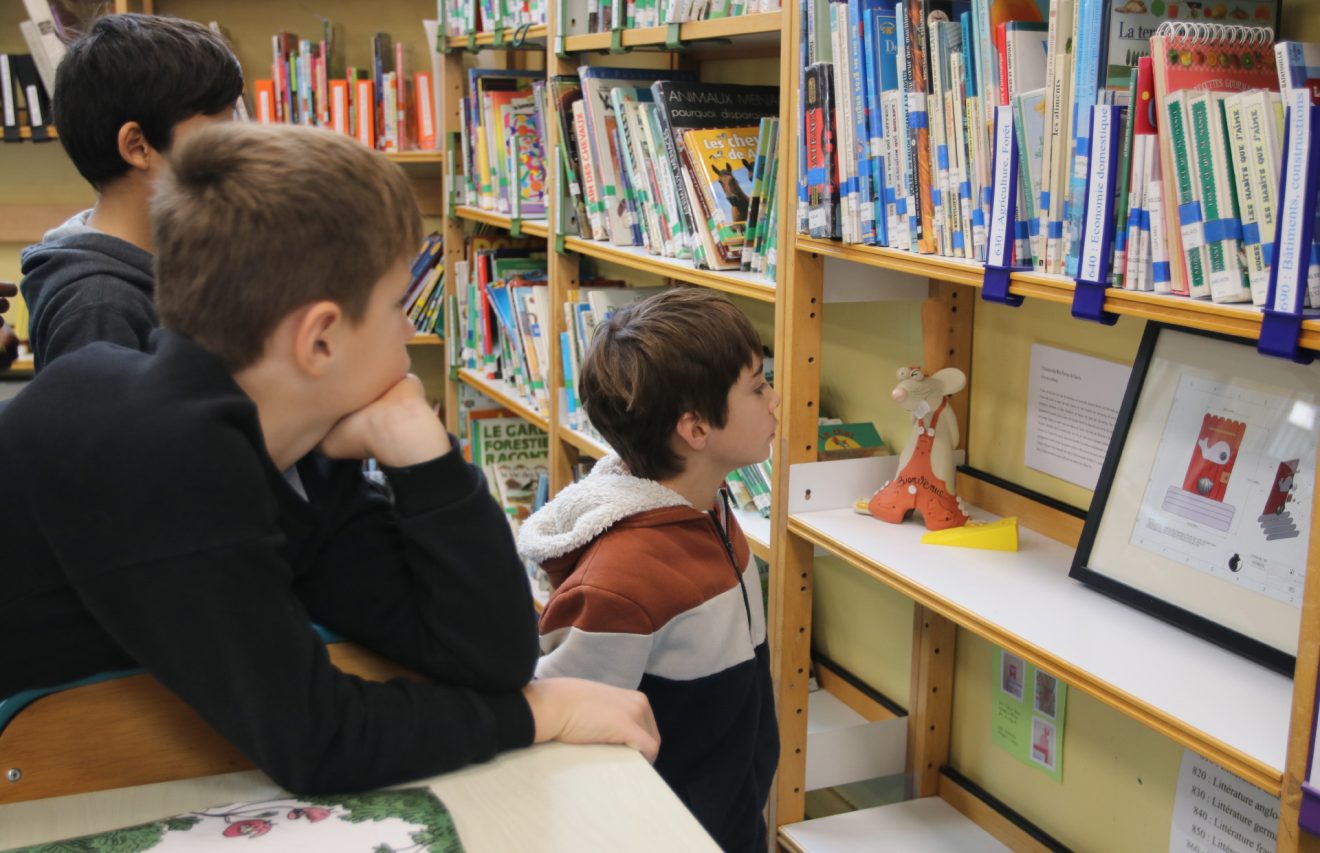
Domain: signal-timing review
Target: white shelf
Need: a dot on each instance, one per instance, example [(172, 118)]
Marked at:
[(757, 531), (1213, 701), (844, 747), (928, 825)]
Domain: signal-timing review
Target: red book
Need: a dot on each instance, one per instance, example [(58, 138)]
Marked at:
[(424, 109), (263, 95)]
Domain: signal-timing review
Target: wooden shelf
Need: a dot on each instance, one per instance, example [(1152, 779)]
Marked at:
[(763, 24), (22, 367), (1238, 320), (409, 158), (487, 40), (502, 393), (426, 339), (26, 133), (751, 285), (926, 825), (1026, 603), (530, 227)]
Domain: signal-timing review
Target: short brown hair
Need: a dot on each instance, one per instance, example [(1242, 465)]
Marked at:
[(679, 351), (256, 221)]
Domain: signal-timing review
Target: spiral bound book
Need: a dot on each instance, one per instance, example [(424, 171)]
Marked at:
[(1189, 58)]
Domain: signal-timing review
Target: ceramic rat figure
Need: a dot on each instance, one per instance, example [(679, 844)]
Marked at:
[(925, 467)]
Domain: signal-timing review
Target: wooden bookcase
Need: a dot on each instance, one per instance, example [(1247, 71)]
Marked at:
[(1244, 732)]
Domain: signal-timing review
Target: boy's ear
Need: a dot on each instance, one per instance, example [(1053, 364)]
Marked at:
[(133, 146), (692, 430), (315, 336)]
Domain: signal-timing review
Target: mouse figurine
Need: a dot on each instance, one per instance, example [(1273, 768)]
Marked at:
[(925, 480)]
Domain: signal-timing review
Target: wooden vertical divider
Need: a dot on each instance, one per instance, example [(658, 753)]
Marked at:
[(451, 94), (1297, 757), (563, 265), (799, 306), (930, 700)]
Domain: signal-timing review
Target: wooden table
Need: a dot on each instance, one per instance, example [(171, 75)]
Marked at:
[(547, 798)]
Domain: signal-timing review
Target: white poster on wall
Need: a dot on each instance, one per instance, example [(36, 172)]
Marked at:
[(1072, 404), (1215, 810)]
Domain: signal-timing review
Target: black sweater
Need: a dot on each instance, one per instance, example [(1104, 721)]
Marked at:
[(83, 286), (147, 525)]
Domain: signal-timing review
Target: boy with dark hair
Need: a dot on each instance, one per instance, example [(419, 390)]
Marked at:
[(131, 89), (157, 530), (655, 585)]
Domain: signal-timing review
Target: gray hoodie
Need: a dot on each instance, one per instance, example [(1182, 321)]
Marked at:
[(82, 286)]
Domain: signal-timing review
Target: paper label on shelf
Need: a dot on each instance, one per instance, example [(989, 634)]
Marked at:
[(1216, 810), (1027, 713), (1072, 403)]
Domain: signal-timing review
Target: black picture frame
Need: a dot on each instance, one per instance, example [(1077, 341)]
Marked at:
[(1165, 349)]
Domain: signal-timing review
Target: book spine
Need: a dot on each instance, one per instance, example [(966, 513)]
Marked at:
[(1188, 208), (1263, 177)]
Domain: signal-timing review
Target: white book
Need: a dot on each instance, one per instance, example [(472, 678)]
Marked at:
[(43, 40), (1159, 247), (1132, 272)]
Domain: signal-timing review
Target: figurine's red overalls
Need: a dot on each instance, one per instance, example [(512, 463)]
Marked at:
[(917, 488)]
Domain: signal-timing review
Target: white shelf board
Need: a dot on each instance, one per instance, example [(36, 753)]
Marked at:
[(1208, 698), (843, 747), (826, 712), (754, 527), (928, 825)]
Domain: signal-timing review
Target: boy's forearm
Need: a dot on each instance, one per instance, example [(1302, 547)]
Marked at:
[(434, 581), (265, 682)]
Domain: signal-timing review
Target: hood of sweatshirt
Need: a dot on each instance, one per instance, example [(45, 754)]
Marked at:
[(75, 252), (557, 535)]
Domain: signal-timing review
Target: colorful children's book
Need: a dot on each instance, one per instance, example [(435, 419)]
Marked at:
[(407, 819), (1217, 59)]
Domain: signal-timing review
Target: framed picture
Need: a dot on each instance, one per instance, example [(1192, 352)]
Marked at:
[(1202, 513)]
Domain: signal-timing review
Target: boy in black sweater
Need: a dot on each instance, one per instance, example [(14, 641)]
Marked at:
[(131, 89), (157, 530)]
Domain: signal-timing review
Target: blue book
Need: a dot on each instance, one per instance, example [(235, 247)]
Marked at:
[(1106, 133), (1088, 66), (863, 192)]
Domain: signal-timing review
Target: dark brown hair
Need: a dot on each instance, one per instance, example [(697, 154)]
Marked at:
[(651, 363), (255, 221), (153, 70)]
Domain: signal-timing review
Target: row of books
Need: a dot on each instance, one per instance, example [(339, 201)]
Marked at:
[(24, 104), (465, 17), (424, 302), (503, 305), (604, 15), (384, 106), (682, 168), (876, 75), (502, 143)]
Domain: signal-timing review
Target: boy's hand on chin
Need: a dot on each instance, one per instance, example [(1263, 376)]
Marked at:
[(398, 428)]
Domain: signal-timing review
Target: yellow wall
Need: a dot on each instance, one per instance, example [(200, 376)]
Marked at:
[(1118, 775), (1001, 361)]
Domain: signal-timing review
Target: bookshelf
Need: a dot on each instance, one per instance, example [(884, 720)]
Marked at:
[(1023, 602)]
